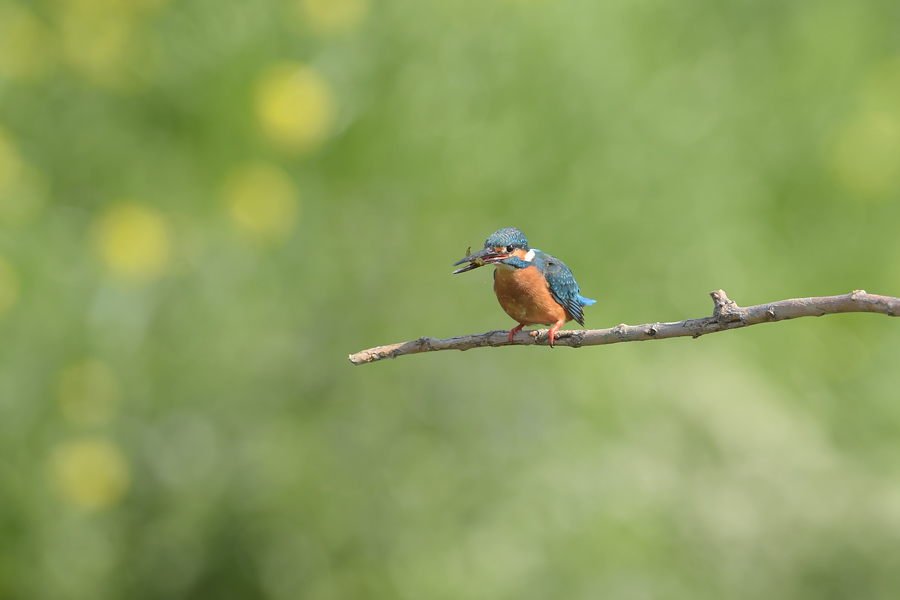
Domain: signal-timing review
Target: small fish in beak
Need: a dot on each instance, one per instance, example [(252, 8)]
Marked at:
[(479, 259)]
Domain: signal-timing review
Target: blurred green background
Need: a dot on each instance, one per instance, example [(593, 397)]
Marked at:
[(206, 205)]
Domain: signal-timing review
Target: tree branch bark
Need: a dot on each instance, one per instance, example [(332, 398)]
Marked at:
[(726, 315)]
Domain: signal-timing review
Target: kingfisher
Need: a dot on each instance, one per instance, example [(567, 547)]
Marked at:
[(533, 287)]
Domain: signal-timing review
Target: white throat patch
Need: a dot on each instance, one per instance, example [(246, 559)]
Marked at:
[(529, 256)]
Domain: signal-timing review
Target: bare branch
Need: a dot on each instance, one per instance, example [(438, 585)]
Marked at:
[(726, 315)]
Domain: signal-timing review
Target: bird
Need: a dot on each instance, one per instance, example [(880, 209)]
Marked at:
[(533, 287)]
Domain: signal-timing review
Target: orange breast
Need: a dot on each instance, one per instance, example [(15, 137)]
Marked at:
[(525, 296)]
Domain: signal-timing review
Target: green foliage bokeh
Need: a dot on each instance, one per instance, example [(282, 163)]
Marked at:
[(206, 206)]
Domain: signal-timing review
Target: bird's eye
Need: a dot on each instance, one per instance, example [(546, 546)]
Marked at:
[(509, 248)]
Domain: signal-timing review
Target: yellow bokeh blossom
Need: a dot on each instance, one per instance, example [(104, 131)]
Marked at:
[(89, 393), (91, 474), (108, 41), (333, 16), (262, 201), (98, 43), (295, 107), (9, 286), (134, 241)]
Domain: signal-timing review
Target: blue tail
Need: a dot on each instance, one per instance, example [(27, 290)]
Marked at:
[(585, 301)]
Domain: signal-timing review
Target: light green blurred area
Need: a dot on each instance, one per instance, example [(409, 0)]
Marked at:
[(206, 206)]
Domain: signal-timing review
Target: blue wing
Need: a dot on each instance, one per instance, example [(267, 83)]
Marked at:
[(562, 285)]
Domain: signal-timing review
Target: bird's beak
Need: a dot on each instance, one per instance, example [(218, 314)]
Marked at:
[(479, 259)]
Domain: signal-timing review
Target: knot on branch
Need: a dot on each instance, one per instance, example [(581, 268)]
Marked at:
[(726, 311), (425, 343), (723, 304)]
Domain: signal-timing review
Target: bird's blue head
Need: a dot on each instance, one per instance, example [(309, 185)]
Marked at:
[(508, 239), (503, 246)]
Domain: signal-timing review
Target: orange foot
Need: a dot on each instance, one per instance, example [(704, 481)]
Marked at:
[(553, 331), (513, 331)]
